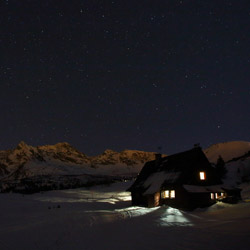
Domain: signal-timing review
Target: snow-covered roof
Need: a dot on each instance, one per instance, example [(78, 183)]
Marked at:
[(175, 169), (155, 181), (203, 189)]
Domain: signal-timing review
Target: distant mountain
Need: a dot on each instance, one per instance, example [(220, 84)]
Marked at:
[(63, 161), (31, 169), (236, 154), (227, 150)]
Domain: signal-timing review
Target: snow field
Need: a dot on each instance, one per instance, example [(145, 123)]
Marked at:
[(101, 218)]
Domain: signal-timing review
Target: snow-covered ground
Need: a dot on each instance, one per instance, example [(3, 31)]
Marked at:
[(101, 218)]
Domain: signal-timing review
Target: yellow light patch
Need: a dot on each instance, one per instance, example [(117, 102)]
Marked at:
[(202, 176)]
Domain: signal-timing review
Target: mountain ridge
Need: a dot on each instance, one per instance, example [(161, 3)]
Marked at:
[(65, 155), (227, 150), (63, 166)]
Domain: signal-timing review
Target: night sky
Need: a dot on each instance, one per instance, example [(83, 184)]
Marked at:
[(124, 74)]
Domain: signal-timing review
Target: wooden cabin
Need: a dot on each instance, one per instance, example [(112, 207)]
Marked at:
[(185, 180)]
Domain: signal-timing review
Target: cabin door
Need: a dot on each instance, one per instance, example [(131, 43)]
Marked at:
[(157, 199)]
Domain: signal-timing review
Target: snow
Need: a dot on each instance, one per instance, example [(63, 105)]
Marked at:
[(228, 150), (63, 159), (155, 181), (101, 218), (237, 171), (245, 193)]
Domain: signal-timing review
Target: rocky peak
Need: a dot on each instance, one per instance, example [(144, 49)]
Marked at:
[(24, 149), (22, 145), (63, 145), (59, 147), (109, 152)]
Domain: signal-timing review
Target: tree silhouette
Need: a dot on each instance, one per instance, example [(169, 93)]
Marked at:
[(220, 167)]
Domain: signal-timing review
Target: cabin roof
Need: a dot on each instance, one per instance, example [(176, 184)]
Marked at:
[(155, 181), (173, 169)]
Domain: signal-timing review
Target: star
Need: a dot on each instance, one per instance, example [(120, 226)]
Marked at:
[(103, 70)]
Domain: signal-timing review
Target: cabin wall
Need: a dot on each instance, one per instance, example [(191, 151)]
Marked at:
[(181, 200), (186, 200), (200, 200), (153, 200), (193, 177)]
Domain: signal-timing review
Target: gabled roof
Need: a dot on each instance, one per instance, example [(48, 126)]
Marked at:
[(173, 169)]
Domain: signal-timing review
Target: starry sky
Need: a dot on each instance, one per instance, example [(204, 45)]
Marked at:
[(124, 74)]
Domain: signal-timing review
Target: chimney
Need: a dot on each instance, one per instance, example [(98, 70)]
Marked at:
[(157, 159)]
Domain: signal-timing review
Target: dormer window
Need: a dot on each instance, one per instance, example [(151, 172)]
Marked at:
[(202, 176)]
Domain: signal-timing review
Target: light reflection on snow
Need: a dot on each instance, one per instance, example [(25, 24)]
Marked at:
[(117, 214), (88, 196), (165, 216), (174, 217), (136, 211)]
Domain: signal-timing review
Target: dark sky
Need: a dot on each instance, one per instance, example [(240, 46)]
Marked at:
[(124, 74)]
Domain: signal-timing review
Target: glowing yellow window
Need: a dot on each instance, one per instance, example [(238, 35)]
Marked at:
[(212, 196), (166, 194), (216, 196), (202, 176), (172, 194)]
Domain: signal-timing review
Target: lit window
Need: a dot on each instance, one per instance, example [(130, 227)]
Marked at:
[(212, 196), (172, 194), (202, 175), (165, 194), (168, 194), (216, 196)]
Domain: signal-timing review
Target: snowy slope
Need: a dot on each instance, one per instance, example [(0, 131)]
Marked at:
[(238, 170), (101, 218), (228, 150), (63, 159), (237, 159)]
